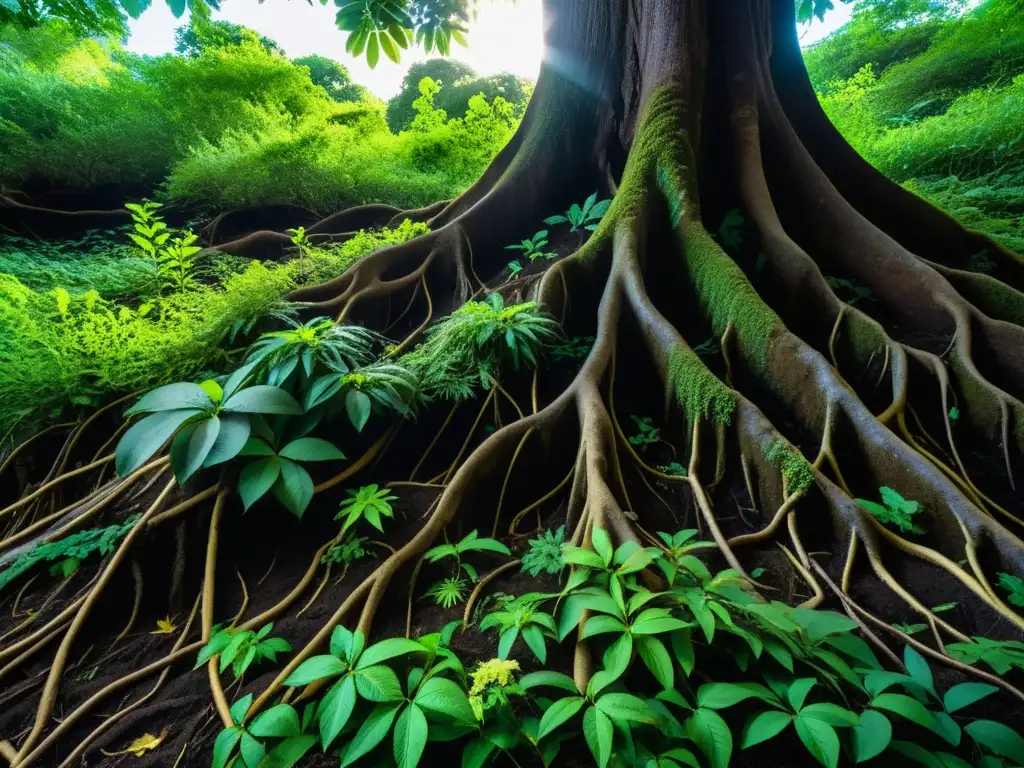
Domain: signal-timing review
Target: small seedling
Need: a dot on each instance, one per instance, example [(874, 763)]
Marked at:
[(470, 543), (239, 649), (943, 608), (730, 232), (674, 468), (576, 348), (521, 617), (533, 248), (911, 629), (514, 268), (850, 291), (708, 348), (164, 626), (757, 573), (954, 414), (346, 553), (449, 592), (647, 433), (894, 510), (367, 503), (586, 217), (981, 262), (545, 553)]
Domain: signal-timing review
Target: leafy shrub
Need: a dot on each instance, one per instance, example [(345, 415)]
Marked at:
[(241, 648), (367, 503), (545, 553)]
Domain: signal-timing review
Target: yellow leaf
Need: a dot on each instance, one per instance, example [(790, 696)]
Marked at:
[(141, 745), (164, 627)]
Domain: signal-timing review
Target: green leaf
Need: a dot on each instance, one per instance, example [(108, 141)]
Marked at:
[(445, 697), (601, 624), (708, 731), (906, 707), (477, 752), (258, 478), (723, 695), (602, 545), (263, 398), (253, 751), (233, 434), (388, 649), (506, 640), (547, 678), (918, 668), (832, 714), (373, 51), (357, 405), (371, 733), (916, 753), (598, 732), (294, 487), (279, 722), (820, 739), (240, 708), (146, 437), (224, 746), (379, 684), (173, 397), (336, 714), (558, 713), (311, 449), (315, 668), (965, 694), (534, 638), (764, 726), (627, 708), (197, 441), (870, 737), (288, 752), (997, 738), (657, 660), (410, 736), (616, 659)]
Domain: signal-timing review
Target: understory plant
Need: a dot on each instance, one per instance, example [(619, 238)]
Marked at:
[(452, 589), (241, 648), (532, 248), (369, 503), (545, 553), (894, 510), (587, 216)]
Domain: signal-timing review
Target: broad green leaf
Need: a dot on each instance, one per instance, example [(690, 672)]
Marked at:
[(233, 434), (315, 668), (336, 714), (311, 449), (965, 694), (657, 660), (997, 738), (263, 398), (870, 737), (918, 668), (602, 545), (294, 487), (240, 708), (357, 405), (225, 745), (200, 442), (547, 678), (764, 726), (173, 397), (506, 640), (410, 736), (252, 750), (371, 733), (258, 478), (601, 624), (708, 731), (146, 437), (558, 713), (534, 637), (388, 649), (378, 684), (917, 753), (947, 728), (626, 707), (288, 752), (907, 707), (830, 713), (598, 732), (724, 695), (682, 647), (477, 752), (445, 697), (279, 722), (616, 659), (820, 739), (818, 624)]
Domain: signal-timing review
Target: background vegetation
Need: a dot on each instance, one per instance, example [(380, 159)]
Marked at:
[(933, 96)]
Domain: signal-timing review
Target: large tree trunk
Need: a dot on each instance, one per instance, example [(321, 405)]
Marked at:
[(685, 109)]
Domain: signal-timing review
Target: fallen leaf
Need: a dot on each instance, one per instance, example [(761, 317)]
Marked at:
[(140, 746), (164, 627)]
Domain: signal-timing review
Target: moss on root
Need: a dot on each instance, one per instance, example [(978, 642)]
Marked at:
[(795, 468), (697, 389)]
